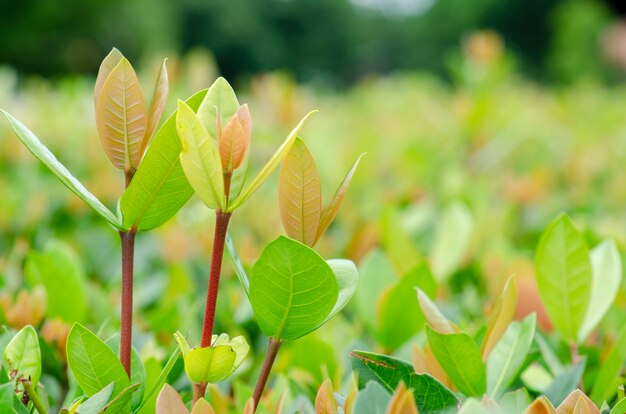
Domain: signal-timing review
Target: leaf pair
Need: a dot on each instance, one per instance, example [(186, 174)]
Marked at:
[(300, 196), (124, 124)]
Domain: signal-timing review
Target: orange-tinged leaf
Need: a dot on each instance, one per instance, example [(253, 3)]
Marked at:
[(425, 362), (121, 117), (281, 403), (502, 315), (159, 98), (169, 402), (348, 406), (299, 194), (331, 210), (433, 316), (569, 405), (108, 64), (325, 402), (202, 407), (540, 406), (235, 138), (249, 407), (402, 401)]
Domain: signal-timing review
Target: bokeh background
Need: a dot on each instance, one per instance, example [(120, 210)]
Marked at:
[(482, 120)]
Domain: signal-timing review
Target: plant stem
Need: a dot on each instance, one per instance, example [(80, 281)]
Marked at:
[(128, 253), (273, 346), (221, 225), (34, 397)]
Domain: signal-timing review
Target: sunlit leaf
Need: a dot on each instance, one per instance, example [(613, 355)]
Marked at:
[(235, 139), (49, 160), (325, 402), (98, 401), (610, 369), (169, 402), (299, 194), (502, 314), (218, 107), (451, 241), (265, 172), (120, 403), (202, 407), (402, 401), (563, 272), (347, 277), (330, 211), (9, 400), (606, 266), (121, 117), (541, 406), (157, 105), (460, 358), (376, 275), (433, 315), (23, 354), (200, 158), (577, 403), (106, 67), (211, 364)]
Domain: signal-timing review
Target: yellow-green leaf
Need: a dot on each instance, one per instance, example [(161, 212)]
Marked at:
[(108, 64), (211, 364), (235, 138), (300, 194), (502, 314), (200, 158), (278, 156), (331, 210), (121, 117), (219, 105), (159, 98)]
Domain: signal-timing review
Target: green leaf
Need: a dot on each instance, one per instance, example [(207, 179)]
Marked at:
[(300, 194), (563, 272), (606, 267), (620, 407), (93, 363), (211, 364), (430, 395), (565, 383), (98, 401), (159, 188), (292, 289), (396, 325), (347, 277), (265, 172), (376, 275), (373, 399), (460, 358), (23, 354), (218, 107), (451, 241), (610, 369), (9, 402), (60, 271), (121, 117), (515, 402), (120, 403), (509, 354), (162, 377), (473, 406), (45, 156), (137, 369), (200, 158)]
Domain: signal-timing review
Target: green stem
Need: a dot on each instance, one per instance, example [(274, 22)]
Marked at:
[(34, 397)]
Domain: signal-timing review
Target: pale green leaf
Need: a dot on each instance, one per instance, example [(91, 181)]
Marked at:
[(218, 107), (610, 369), (347, 277), (373, 399), (292, 289), (376, 275), (210, 364), (200, 158), (9, 401), (98, 401), (120, 403), (49, 160), (563, 272), (451, 240), (23, 355)]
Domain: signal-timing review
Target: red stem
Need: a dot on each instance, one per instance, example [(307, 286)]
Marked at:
[(272, 350), (128, 253)]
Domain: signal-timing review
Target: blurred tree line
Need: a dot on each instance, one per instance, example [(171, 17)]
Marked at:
[(338, 41)]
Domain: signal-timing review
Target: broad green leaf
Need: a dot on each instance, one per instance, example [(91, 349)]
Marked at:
[(159, 188), (93, 363), (430, 395), (49, 160), (376, 274), (325, 402), (610, 369), (98, 401), (121, 117), (265, 172), (108, 64), (563, 272), (159, 99), (235, 139), (61, 273), (402, 401), (502, 314), (292, 289), (200, 158), (515, 402), (218, 107), (211, 364), (460, 358), (398, 317), (161, 378), (620, 407), (169, 402), (347, 277), (373, 399), (509, 354), (120, 403), (606, 270), (23, 354), (330, 211), (451, 241), (137, 369), (565, 383), (433, 315), (300, 194), (9, 402)]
